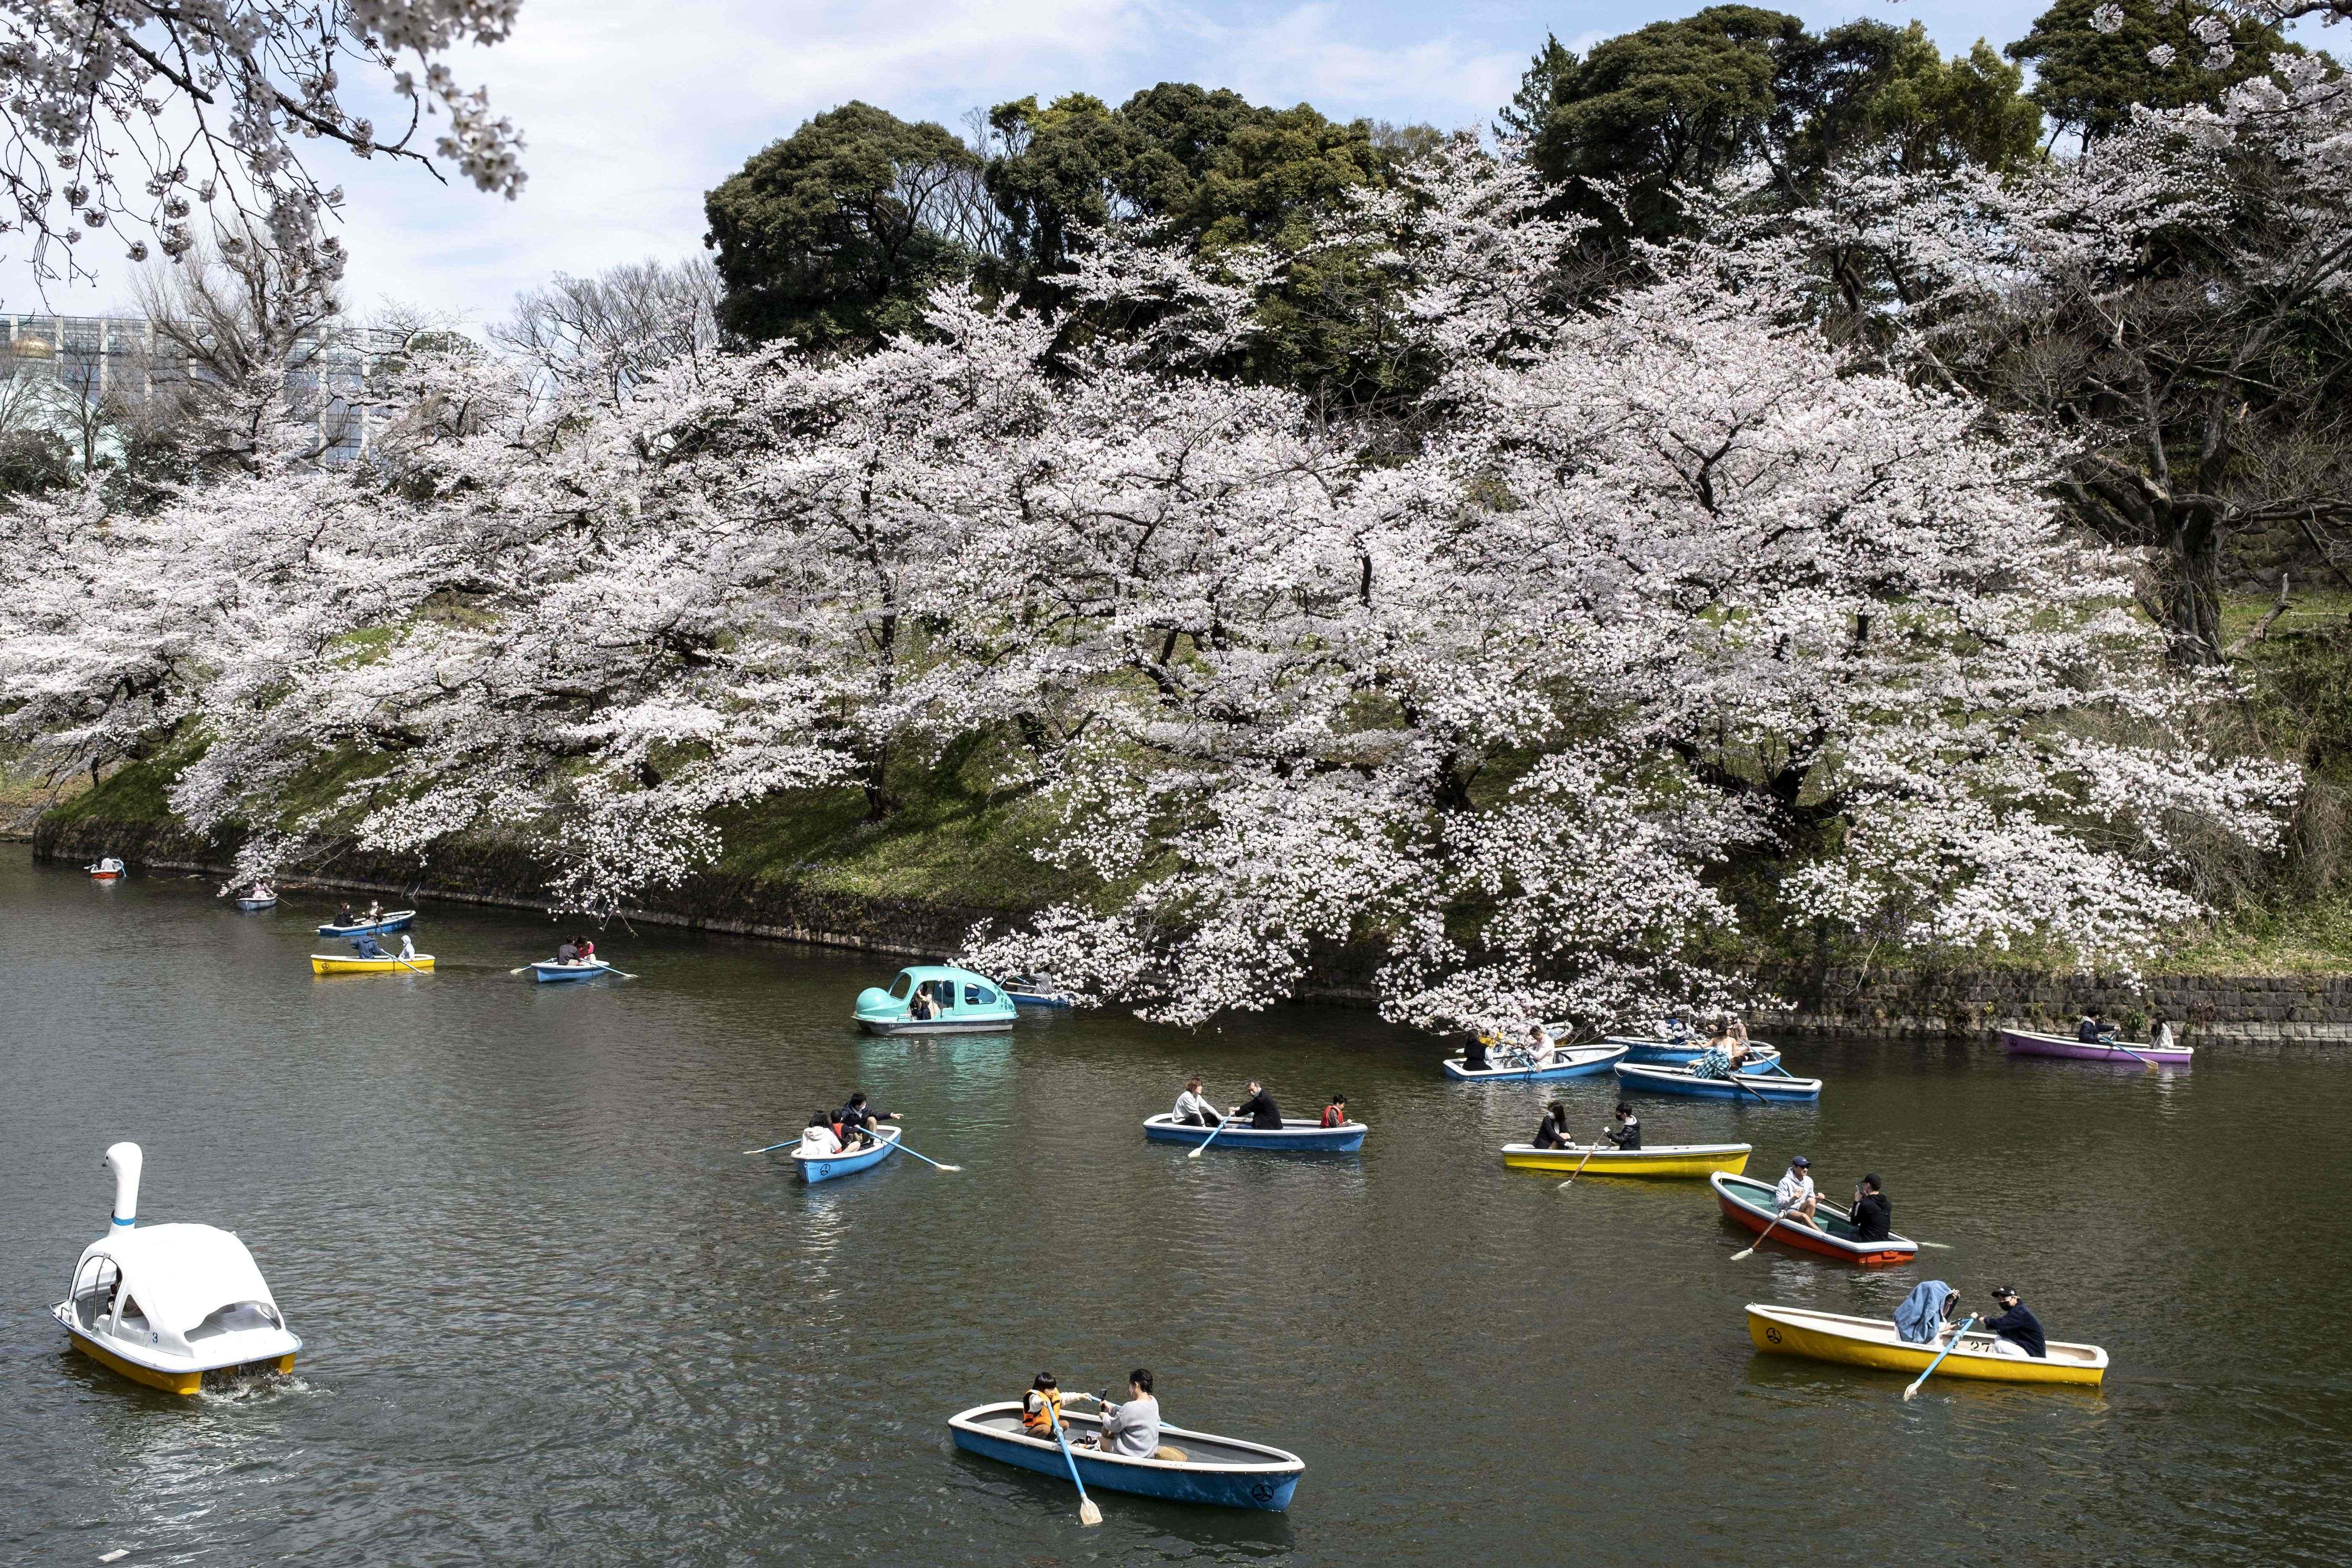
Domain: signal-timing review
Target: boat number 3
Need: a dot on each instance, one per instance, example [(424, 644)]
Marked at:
[(1773, 1334), (154, 1339), (1263, 1493)]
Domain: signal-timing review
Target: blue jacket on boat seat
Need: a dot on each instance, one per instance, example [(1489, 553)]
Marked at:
[(1922, 1312)]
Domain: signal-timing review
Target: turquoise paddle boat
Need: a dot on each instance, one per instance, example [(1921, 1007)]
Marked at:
[(935, 999)]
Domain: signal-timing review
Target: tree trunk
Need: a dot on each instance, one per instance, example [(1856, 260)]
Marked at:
[(2193, 588)]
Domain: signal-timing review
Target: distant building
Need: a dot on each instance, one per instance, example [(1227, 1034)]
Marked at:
[(123, 357)]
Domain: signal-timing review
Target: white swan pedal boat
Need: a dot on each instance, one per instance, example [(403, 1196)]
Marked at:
[(170, 1305), (1223, 1471)]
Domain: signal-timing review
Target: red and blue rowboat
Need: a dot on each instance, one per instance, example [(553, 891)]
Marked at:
[(1750, 1203), (1224, 1472), (1751, 1088), (2023, 1043), (1297, 1136)]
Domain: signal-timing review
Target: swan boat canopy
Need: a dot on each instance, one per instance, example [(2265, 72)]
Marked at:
[(168, 1305)]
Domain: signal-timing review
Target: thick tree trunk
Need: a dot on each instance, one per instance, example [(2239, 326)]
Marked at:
[(2193, 588)]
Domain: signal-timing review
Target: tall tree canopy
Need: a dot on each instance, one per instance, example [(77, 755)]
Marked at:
[(2093, 59), (836, 234), (1684, 103)]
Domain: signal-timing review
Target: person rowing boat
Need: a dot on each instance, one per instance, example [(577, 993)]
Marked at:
[(1133, 1428), (1872, 1212), (859, 1124), (1263, 1115), (1627, 1133), (1794, 1197), (1192, 1107)]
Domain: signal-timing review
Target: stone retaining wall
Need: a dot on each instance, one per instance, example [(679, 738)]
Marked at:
[(1920, 1004)]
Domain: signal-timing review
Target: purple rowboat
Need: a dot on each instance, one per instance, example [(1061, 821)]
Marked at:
[(2021, 1043)]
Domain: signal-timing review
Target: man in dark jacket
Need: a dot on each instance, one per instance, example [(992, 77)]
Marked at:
[(1260, 1107), (1872, 1214), (2019, 1330), (1627, 1133)]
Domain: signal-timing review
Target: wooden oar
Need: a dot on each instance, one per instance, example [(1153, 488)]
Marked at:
[(1760, 1238), (2113, 1044), (1579, 1168), (1941, 1354), (1194, 1153), (1087, 1512)]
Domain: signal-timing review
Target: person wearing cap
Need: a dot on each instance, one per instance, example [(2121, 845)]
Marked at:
[(1872, 1214), (2019, 1329), (1794, 1198)]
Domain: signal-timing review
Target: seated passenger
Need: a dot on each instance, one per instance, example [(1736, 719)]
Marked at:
[(1132, 1429), (1473, 1054), (1552, 1133), (1041, 1407), (1336, 1113), (1872, 1212), (2019, 1329), (565, 953), (366, 946), (818, 1140), (1627, 1133)]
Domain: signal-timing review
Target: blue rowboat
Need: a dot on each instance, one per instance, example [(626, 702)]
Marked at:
[(1574, 1061), (251, 904), (1297, 1135), (548, 971), (955, 999), (1680, 1080), (824, 1167), (1682, 1053), (1224, 1472), (1028, 991), (398, 920)]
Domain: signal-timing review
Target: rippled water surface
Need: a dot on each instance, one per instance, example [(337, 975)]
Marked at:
[(553, 1313)]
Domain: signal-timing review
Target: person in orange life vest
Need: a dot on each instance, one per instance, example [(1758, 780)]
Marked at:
[(1336, 1113), (1044, 1395)]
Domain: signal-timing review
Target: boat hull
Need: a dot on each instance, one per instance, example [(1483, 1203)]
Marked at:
[(325, 963), (1672, 1054), (1036, 998), (826, 1168), (252, 904), (1666, 1160), (2021, 1043), (1583, 1061), (560, 974), (961, 1024), (1265, 1480), (1873, 1342), (399, 920), (1748, 1203), (106, 876), (1773, 1088), (1297, 1136), (171, 1380)]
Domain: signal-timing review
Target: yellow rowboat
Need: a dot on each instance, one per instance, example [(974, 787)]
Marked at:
[(1875, 1341), (325, 963), (1664, 1160)]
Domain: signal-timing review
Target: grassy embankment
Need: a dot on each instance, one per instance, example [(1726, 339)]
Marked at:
[(955, 839)]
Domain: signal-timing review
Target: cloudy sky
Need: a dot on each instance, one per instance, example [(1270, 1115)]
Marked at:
[(632, 110)]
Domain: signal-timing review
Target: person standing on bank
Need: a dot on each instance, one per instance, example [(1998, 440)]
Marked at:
[(2019, 1329), (1627, 1133), (1794, 1198), (1873, 1214), (1265, 1116)]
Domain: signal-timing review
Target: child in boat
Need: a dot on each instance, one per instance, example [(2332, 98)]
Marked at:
[(1336, 1113), (1041, 1407), (408, 945)]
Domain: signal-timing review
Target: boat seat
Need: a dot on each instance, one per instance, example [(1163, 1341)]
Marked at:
[(1175, 1456)]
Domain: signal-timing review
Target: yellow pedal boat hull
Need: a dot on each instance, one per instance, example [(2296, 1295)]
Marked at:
[(154, 1377), (1874, 1342), (1688, 1160), (320, 963)]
